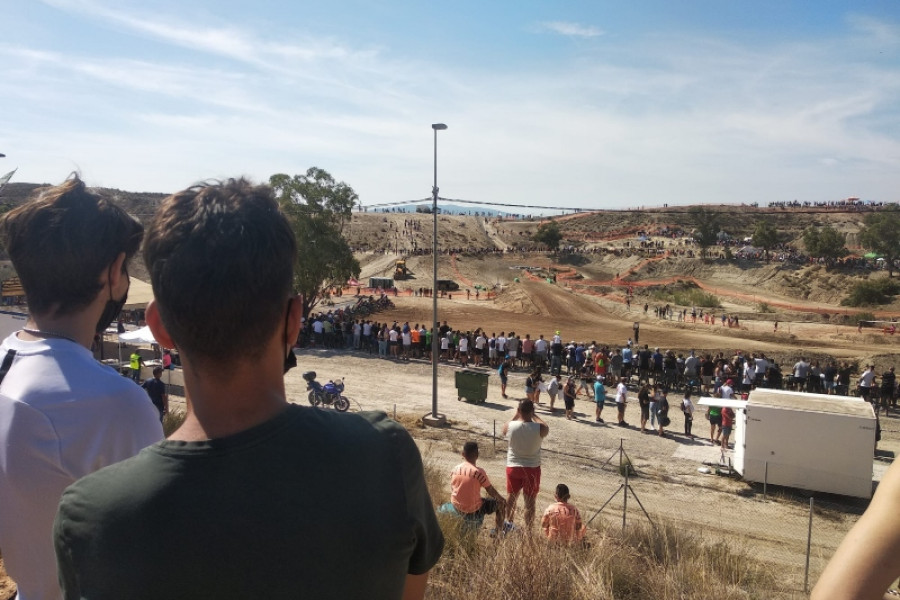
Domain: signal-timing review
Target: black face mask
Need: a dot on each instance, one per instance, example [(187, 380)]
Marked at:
[(112, 308), (290, 361)]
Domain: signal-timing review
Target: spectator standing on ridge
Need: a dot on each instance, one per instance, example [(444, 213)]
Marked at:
[(525, 433), (62, 413), (245, 461)]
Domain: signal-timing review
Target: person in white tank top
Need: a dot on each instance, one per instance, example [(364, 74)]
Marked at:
[(525, 433)]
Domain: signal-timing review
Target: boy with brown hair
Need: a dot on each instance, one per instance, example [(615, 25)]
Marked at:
[(243, 476), (62, 413)]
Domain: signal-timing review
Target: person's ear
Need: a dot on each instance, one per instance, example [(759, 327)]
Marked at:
[(295, 319), (154, 322), (115, 272)]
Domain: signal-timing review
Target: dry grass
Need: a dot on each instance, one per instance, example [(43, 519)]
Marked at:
[(643, 562), (173, 420)]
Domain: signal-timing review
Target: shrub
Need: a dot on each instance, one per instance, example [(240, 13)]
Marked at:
[(863, 316), (872, 293), (173, 420), (765, 308), (684, 294)]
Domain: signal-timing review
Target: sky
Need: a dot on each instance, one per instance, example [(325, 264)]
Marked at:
[(593, 104)]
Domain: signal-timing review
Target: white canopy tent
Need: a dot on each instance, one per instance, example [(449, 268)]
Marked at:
[(138, 336)]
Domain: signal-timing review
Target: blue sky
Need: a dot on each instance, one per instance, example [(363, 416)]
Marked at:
[(590, 104)]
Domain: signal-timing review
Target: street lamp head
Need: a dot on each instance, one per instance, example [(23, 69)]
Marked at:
[(439, 126)]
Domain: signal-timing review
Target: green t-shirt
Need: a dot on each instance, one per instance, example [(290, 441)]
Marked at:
[(311, 504)]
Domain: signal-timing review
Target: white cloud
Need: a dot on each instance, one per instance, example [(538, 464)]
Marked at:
[(571, 29)]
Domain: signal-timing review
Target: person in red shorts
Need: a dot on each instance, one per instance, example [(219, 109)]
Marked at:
[(525, 434), (562, 521), (466, 481)]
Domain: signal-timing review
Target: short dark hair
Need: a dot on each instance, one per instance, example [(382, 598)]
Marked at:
[(526, 407), (562, 491), (470, 449), (60, 242), (221, 261)]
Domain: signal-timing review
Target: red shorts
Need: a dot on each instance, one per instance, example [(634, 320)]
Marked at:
[(524, 479)]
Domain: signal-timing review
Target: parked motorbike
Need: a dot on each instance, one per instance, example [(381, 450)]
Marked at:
[(331, 393)]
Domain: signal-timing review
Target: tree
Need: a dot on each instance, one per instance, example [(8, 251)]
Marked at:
[(549, 235), (317, 207), (706, 227), (765, 236), (825, 242), (881, 234)]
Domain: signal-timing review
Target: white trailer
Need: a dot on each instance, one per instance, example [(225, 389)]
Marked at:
[(808, 441)]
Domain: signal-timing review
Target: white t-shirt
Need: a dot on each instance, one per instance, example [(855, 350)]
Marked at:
[(463, 344), (62, 415), (621, 393), (524, 444)]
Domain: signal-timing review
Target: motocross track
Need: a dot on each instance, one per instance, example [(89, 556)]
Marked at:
[(587, 303)]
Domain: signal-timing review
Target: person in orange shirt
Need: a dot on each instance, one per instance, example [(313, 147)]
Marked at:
[(466, 481), (562, 521), (416, 341)]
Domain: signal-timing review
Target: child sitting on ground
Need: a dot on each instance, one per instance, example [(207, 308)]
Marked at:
[(562, 521)]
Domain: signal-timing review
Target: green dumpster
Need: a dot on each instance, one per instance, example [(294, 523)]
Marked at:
[(471, 385)]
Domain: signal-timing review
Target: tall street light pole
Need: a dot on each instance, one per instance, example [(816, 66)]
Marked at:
[(435, 419)]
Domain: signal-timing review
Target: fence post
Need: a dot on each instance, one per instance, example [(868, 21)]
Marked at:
[(494, 437), (808, 547), (766, 482), (625, 489), (395, 412)]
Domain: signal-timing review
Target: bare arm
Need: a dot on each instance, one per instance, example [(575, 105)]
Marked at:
[(868, 559), (414, 589), (493, 493), (518, 417), (545, 429)]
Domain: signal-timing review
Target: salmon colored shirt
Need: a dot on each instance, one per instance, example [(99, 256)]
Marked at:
[(466, 481), (415, 336), (562, 522)]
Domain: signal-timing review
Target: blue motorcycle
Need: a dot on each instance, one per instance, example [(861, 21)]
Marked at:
[(331, 393)]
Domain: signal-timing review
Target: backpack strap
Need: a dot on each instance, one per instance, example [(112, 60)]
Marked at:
[(7, 364)]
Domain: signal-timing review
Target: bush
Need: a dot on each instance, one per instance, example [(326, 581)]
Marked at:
[(863, 316), (687, 297), (172, 421), (765, 308), (872, 293)]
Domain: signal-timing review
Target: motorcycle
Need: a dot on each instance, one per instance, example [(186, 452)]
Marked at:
[(331, 393)]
